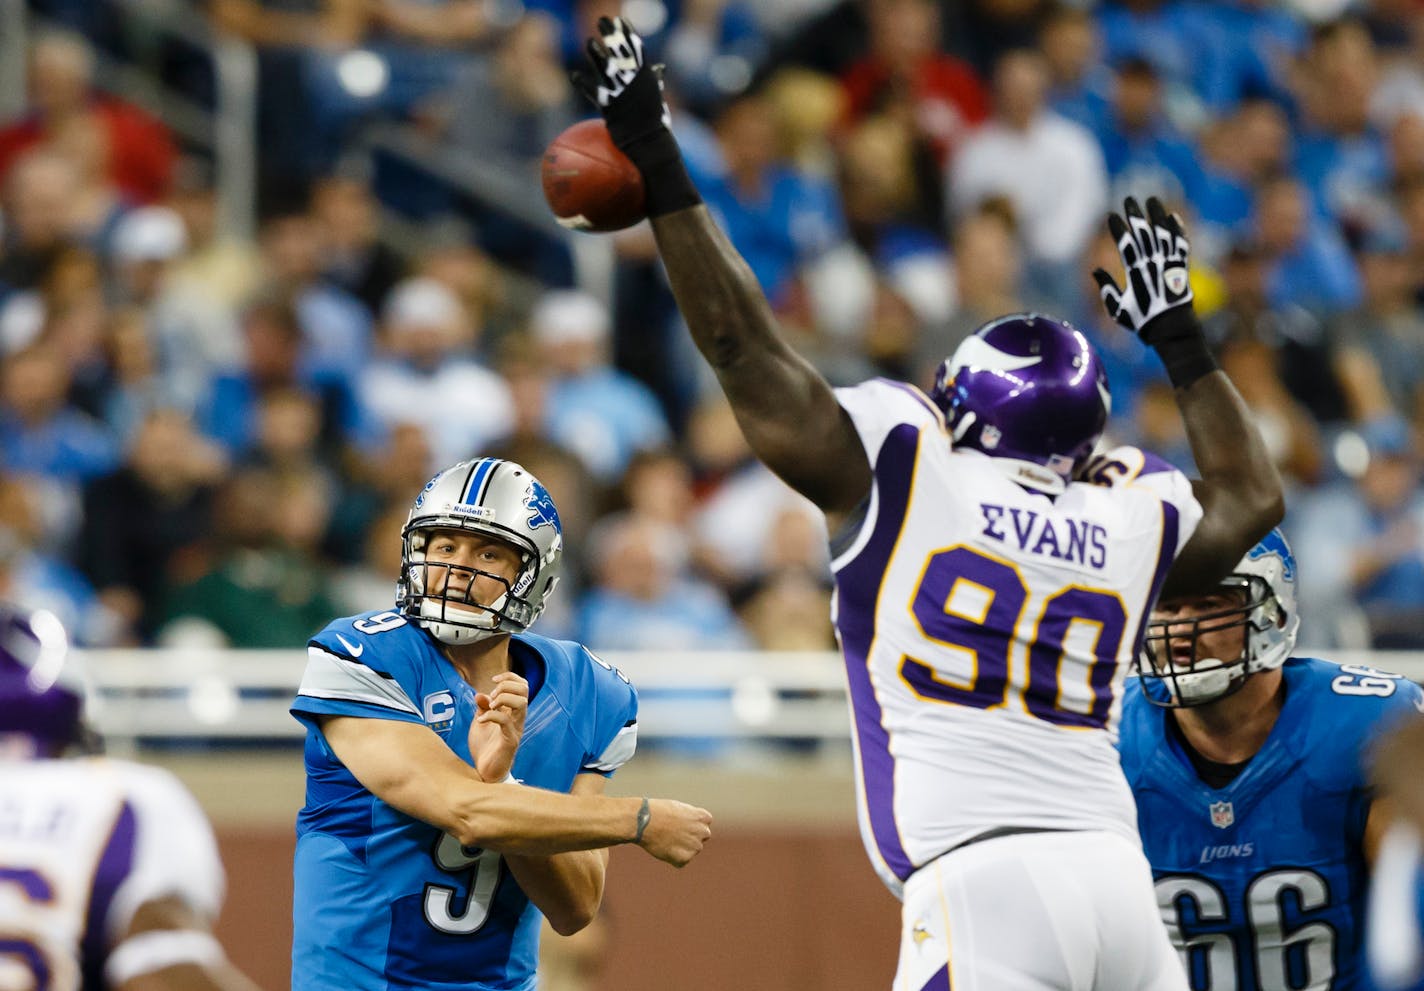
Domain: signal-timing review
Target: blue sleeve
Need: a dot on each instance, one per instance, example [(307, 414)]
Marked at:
[(1371, 702), (360, 666)]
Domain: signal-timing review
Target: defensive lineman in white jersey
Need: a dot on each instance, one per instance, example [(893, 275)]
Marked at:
[(109, 872), (991, 578), (980, 619)]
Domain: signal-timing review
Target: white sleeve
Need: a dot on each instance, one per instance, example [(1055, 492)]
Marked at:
[(175, 854), (1135, 469), (333, 678), (618, 752), (880, 405), (1395, 943)]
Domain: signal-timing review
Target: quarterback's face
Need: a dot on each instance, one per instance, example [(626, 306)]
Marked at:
[(1217, 621), (492, 559)]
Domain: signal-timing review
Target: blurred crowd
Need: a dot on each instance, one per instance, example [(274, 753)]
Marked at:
[(211, 439)]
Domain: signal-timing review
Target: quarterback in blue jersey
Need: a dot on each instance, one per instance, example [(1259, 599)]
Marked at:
[(1249, 767), (440, 735)]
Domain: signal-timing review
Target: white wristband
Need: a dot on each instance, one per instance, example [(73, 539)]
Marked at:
[(157, 949)]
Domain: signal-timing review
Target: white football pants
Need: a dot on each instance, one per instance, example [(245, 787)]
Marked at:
[(1069, 911)]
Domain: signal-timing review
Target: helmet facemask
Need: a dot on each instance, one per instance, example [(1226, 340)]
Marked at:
[(1176, 673), (455, 617)]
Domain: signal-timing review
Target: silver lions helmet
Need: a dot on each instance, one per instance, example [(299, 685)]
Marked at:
[(1262, 589), (496, 498)]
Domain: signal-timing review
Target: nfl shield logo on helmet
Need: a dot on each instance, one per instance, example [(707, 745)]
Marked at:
[(1222, 814)]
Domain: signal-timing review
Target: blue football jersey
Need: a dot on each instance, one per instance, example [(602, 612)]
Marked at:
[(384, 900), (1262, 883)]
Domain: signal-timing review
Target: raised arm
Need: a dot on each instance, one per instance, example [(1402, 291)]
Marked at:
[(786, 410), (407, 766), (1239, 489)]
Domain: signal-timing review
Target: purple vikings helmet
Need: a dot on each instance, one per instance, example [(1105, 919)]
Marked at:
[(1028, 391), (41, 695)]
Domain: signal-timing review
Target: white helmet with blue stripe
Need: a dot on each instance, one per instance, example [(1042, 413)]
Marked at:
[(499, 499), (1265, 579)]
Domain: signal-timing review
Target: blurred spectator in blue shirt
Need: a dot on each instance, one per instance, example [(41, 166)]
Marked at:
[(1252, 51), (1144, 153), (643, 599), (31, 572), (601, 414), (428, 373), (778, 217), (39, 432), (1309, 262), (1239, 152), (1341, 156), (1081, 82), (1364, 543), (272, 362), (1173, 35), (1208, 55)]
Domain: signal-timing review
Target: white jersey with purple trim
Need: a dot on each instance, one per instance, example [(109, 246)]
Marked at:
[(83, 844), (987, 629)]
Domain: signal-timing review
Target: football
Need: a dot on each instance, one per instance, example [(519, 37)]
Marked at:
[(589, 184)]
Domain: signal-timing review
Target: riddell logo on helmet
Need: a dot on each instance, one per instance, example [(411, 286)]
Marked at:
[(470, 509)]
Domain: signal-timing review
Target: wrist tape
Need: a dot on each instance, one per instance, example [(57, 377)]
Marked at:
[(666, 184), (1182, 346)]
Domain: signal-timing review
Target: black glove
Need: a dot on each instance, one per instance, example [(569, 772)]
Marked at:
[(629, 94), (1157, 304)]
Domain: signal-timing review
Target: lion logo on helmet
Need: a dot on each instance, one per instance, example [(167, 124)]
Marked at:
[(541, 508)]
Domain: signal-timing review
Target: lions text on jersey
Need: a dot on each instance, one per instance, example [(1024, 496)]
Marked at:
[(85, 843), (385, 900), (987, 630), (1262, 883)]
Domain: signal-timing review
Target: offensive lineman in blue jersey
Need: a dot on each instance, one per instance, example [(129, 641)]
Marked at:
[(438, 737), (1249, 770)]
